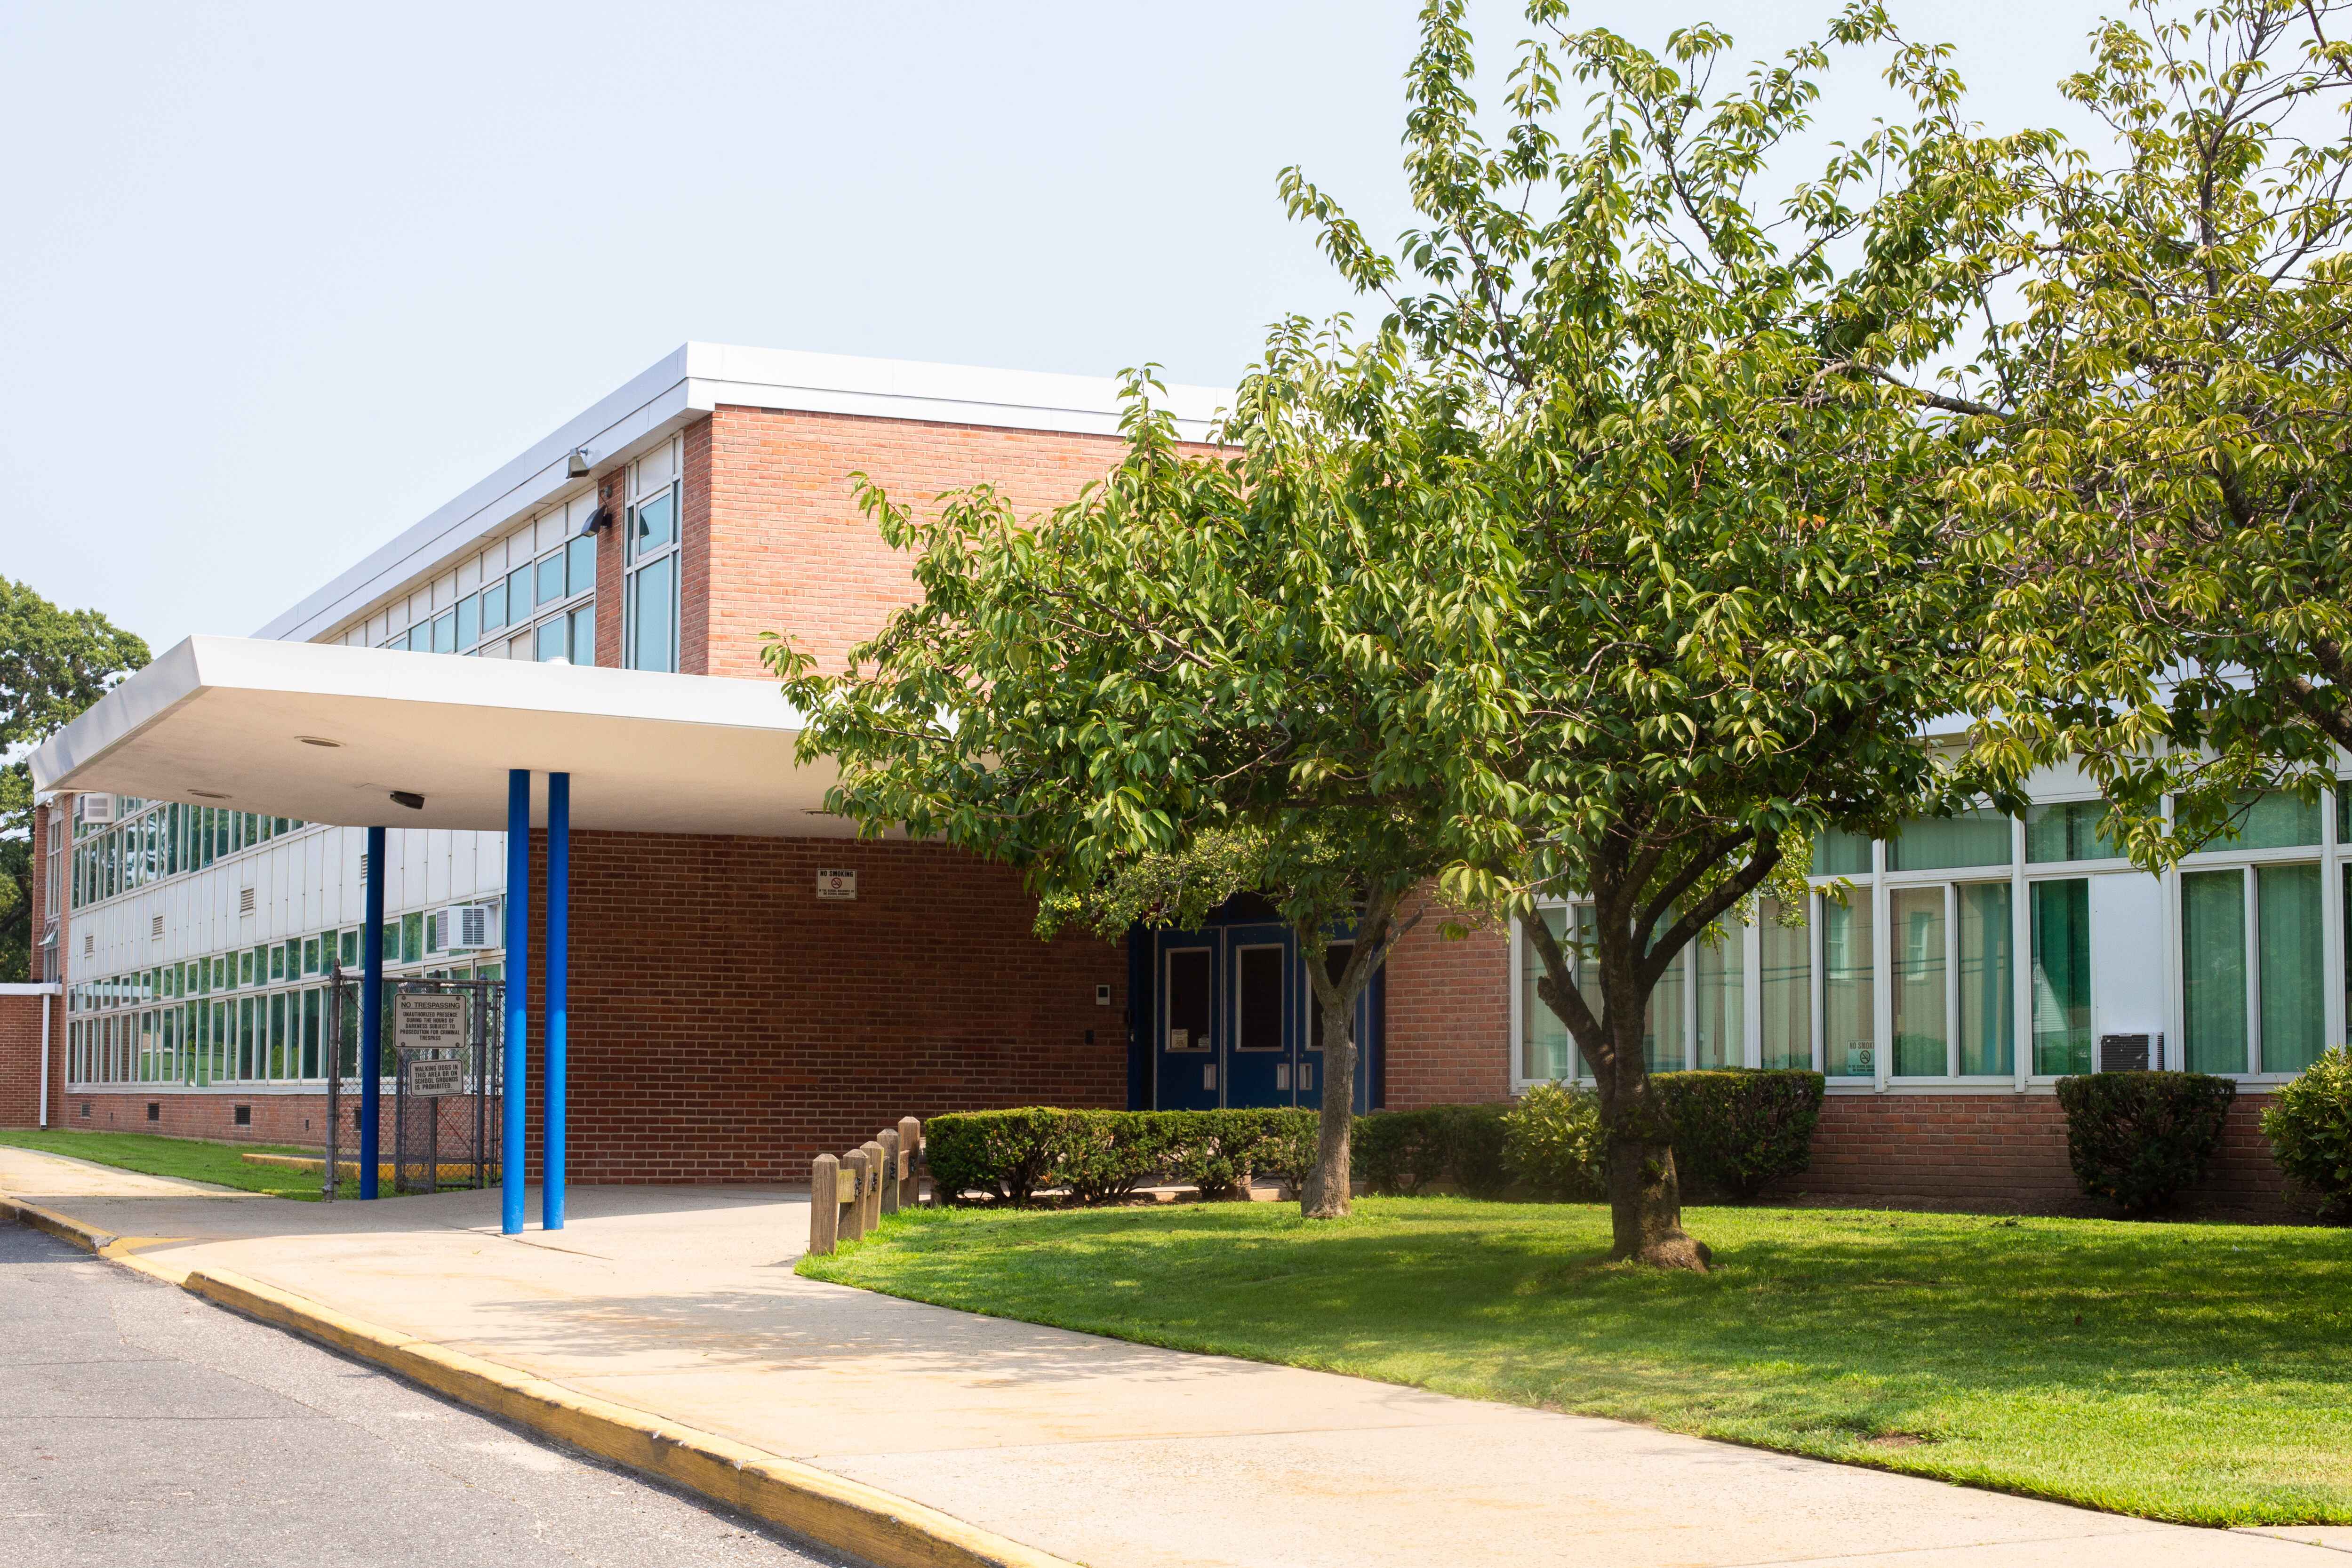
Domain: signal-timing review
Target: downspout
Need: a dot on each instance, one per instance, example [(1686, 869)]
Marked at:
[(42, 1118)]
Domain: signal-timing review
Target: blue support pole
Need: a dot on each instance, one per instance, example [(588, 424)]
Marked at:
[(372, 1014), (514, 1082), (558, 986)]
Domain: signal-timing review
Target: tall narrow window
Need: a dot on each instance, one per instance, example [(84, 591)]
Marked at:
[(1722, 999), (1545, 1049), (2061, 977), (2214, 969), (2289, 966), (1917, 955), (650, 620), (1988, 1005), (1784, 979), (1847, 1027)]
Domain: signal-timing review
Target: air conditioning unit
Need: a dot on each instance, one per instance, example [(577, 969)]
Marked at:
[(468, 927), (95, 807)]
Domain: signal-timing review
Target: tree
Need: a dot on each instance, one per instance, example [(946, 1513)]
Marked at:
[(2159, 429), (1268, 667), (1735, 616), (54, 663)]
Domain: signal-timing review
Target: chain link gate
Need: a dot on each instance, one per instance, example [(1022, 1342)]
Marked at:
[(446, 1114)]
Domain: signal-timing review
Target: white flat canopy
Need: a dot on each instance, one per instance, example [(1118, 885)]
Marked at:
[(236, 722)]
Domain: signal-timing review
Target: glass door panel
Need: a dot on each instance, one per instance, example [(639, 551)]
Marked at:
[(1988, 992), (2061, 976), (1848, 1025), (1260, 1058), (2214, 969), (1917, 956)]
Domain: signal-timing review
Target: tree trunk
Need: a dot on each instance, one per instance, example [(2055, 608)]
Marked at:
[(1645, 1195), (1329, 1183)]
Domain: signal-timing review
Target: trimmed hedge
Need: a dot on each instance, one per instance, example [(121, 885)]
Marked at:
[(1734, 1130), (1737, 1129), (2309, 1125), (2138, 1138), (1102, 1156), (1400, 1153)]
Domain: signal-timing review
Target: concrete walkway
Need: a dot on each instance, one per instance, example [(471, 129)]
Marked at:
[(682, 1301)]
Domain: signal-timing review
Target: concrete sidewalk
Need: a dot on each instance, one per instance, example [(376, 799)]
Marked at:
[(682, 1302)]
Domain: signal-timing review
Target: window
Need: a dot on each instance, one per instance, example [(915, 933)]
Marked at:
[(1848, 1030), (494, 604), (583, 634), (1259, 974), (469, 620), (1722, 1011), (1784, 978), (580, 566), (2061, 975), (1938, 844), (2275, 819), (2251, 972), (412, 938), (1837, 853), (1546, 1052), (649, 618), (520, 601), (2067, 831), (445, 632), (549, 579), (552, 641)]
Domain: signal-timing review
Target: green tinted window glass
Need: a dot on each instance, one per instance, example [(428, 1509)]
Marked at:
[(519, 599), (584, 636), (1918, 981), (469, 620), (2342, 813), (549, 579), (2275, 819), (2061, 976), (2214, 969), (2068, 830), (1938, 844), (309, 955), (347, 949), (1847, 1026), (277, 963), (653, 597), (1837, 853), (1785, 979), (1722, 1023), (445, 632), (2293, 975), (1988, 994), (412, 938), (244, 969), (494, 604)]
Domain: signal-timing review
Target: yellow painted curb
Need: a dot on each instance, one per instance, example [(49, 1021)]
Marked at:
[(817, 1505), (64, 1227), (447, 1171)]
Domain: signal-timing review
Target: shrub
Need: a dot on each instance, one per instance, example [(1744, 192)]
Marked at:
[(2309, 1125), (1006, 1155), (1401, 1153), (1287, 1144), (1218, 1151), (1551, 1141), (2138, 1138), (1736, 1129), (1102, 1156)]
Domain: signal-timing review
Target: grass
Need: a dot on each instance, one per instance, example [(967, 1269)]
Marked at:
[(2197, 1373), (190, 1159)]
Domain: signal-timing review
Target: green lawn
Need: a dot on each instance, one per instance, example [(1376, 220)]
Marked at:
[(191, 1158), (2200, 1372)]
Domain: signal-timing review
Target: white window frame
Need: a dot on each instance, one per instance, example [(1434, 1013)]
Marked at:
[(631, 564)]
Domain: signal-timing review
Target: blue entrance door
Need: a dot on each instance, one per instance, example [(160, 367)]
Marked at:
[(1262, 1014), (1188, 1049)]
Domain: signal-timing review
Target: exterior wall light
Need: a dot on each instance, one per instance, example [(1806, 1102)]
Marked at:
[(600, 518), (576, 465)]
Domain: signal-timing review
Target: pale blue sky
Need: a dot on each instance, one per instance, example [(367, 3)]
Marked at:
[(276, 281)]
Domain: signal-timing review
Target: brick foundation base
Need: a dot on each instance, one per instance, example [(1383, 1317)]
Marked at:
[(2004, 1154), (293, 1119)]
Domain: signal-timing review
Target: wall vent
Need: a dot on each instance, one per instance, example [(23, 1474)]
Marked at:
[(155, 926), (242, 1116), (245, 900), (89, 944), (363, 867)]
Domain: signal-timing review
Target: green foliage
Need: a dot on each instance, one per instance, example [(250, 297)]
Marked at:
[(1736, 1129), (2309, 1125), (1102, 1156), (1552, 1141), (1002, 1154), (2156, 470), (2139, 1138), (1405, 1151), (54, 663)]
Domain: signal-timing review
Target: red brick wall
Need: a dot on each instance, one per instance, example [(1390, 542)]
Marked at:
[(295, 1119), (2003, 1153), (780, 546), (1449, 1016), (20, 1057), (726, 1025)]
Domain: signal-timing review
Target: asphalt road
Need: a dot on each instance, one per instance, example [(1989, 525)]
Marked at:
[(139, 1426)]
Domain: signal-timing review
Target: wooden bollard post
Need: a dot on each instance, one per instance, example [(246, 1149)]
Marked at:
[(873, 1153), (911, 1160), (824, 1205), (853, 1221), (888, 1139)]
